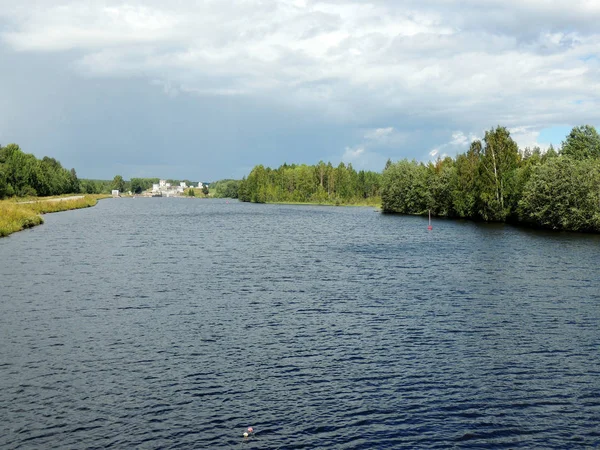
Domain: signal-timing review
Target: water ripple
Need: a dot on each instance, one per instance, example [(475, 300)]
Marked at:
[(319, 327)]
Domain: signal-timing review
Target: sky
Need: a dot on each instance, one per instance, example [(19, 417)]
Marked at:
[(206, 90)]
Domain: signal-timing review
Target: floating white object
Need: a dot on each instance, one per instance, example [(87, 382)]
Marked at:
[(245, 434)]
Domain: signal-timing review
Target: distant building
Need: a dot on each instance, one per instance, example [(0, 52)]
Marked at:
[(200, 185), (162, 183), (115, 193), (155, 187), (183, 185)]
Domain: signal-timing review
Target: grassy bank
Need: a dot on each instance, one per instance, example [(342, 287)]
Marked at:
[(16, 216)]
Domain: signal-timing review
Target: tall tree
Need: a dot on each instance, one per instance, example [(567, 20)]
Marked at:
[(465, 194), (497, 169), (118, 183), (582, 142), (75, 187)]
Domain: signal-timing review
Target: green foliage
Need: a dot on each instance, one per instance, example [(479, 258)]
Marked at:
[(118, 183), (582, 143), (225, 188), (405, 188), (464, 190), (205, 189), (493, 181), (496, 181), (564, 194), (24, 175), (191, 193), (95, 186), (4, 186), (321, 183), (138, 186)]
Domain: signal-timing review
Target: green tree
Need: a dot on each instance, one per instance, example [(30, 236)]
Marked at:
[(4, 186), (137, 185), (89, 187), (441, 183), (118, 183), (582, 142), (74, 181), (321, 171), (405, 188), (564, 194), (497, 166), (191, 193), (205, 189), (465, 196)]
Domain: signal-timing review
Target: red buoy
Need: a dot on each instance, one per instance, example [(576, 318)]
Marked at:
[(429, 227)]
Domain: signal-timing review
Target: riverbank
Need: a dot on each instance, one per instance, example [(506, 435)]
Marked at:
[(20, 214)]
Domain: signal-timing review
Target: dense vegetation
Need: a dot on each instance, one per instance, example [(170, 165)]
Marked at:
[(225, 188), (495, 181), (22, 174), (321, 183)]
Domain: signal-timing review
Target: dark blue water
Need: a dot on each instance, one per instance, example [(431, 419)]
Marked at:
[(176, 323)]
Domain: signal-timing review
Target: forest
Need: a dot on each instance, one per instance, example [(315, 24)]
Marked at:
[(494, 181), (321, 183), (22, 174)]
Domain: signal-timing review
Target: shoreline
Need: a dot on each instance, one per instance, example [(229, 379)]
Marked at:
[(18, 215)]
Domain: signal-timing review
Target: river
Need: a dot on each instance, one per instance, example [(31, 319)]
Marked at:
[(178, 323)]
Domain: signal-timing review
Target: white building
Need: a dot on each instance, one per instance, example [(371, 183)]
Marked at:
[(115, 192), (200, 185), (155, 187), (162, 183)]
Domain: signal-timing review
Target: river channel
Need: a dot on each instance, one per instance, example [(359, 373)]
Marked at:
[(178, 323)]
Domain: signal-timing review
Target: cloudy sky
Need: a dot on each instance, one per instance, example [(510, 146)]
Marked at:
[(206, 89)]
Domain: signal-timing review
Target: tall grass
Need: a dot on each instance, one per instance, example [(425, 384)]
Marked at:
[(16, 216)]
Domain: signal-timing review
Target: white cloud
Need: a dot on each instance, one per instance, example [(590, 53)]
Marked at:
[(459, 143), (527, 137), (352, 154), (378, 134), (441, 63)]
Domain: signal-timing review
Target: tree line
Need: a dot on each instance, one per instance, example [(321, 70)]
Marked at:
[(22, 174), (320, 183), (495, 181)]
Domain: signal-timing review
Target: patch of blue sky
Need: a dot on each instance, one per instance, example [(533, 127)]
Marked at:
[(554, 135)]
